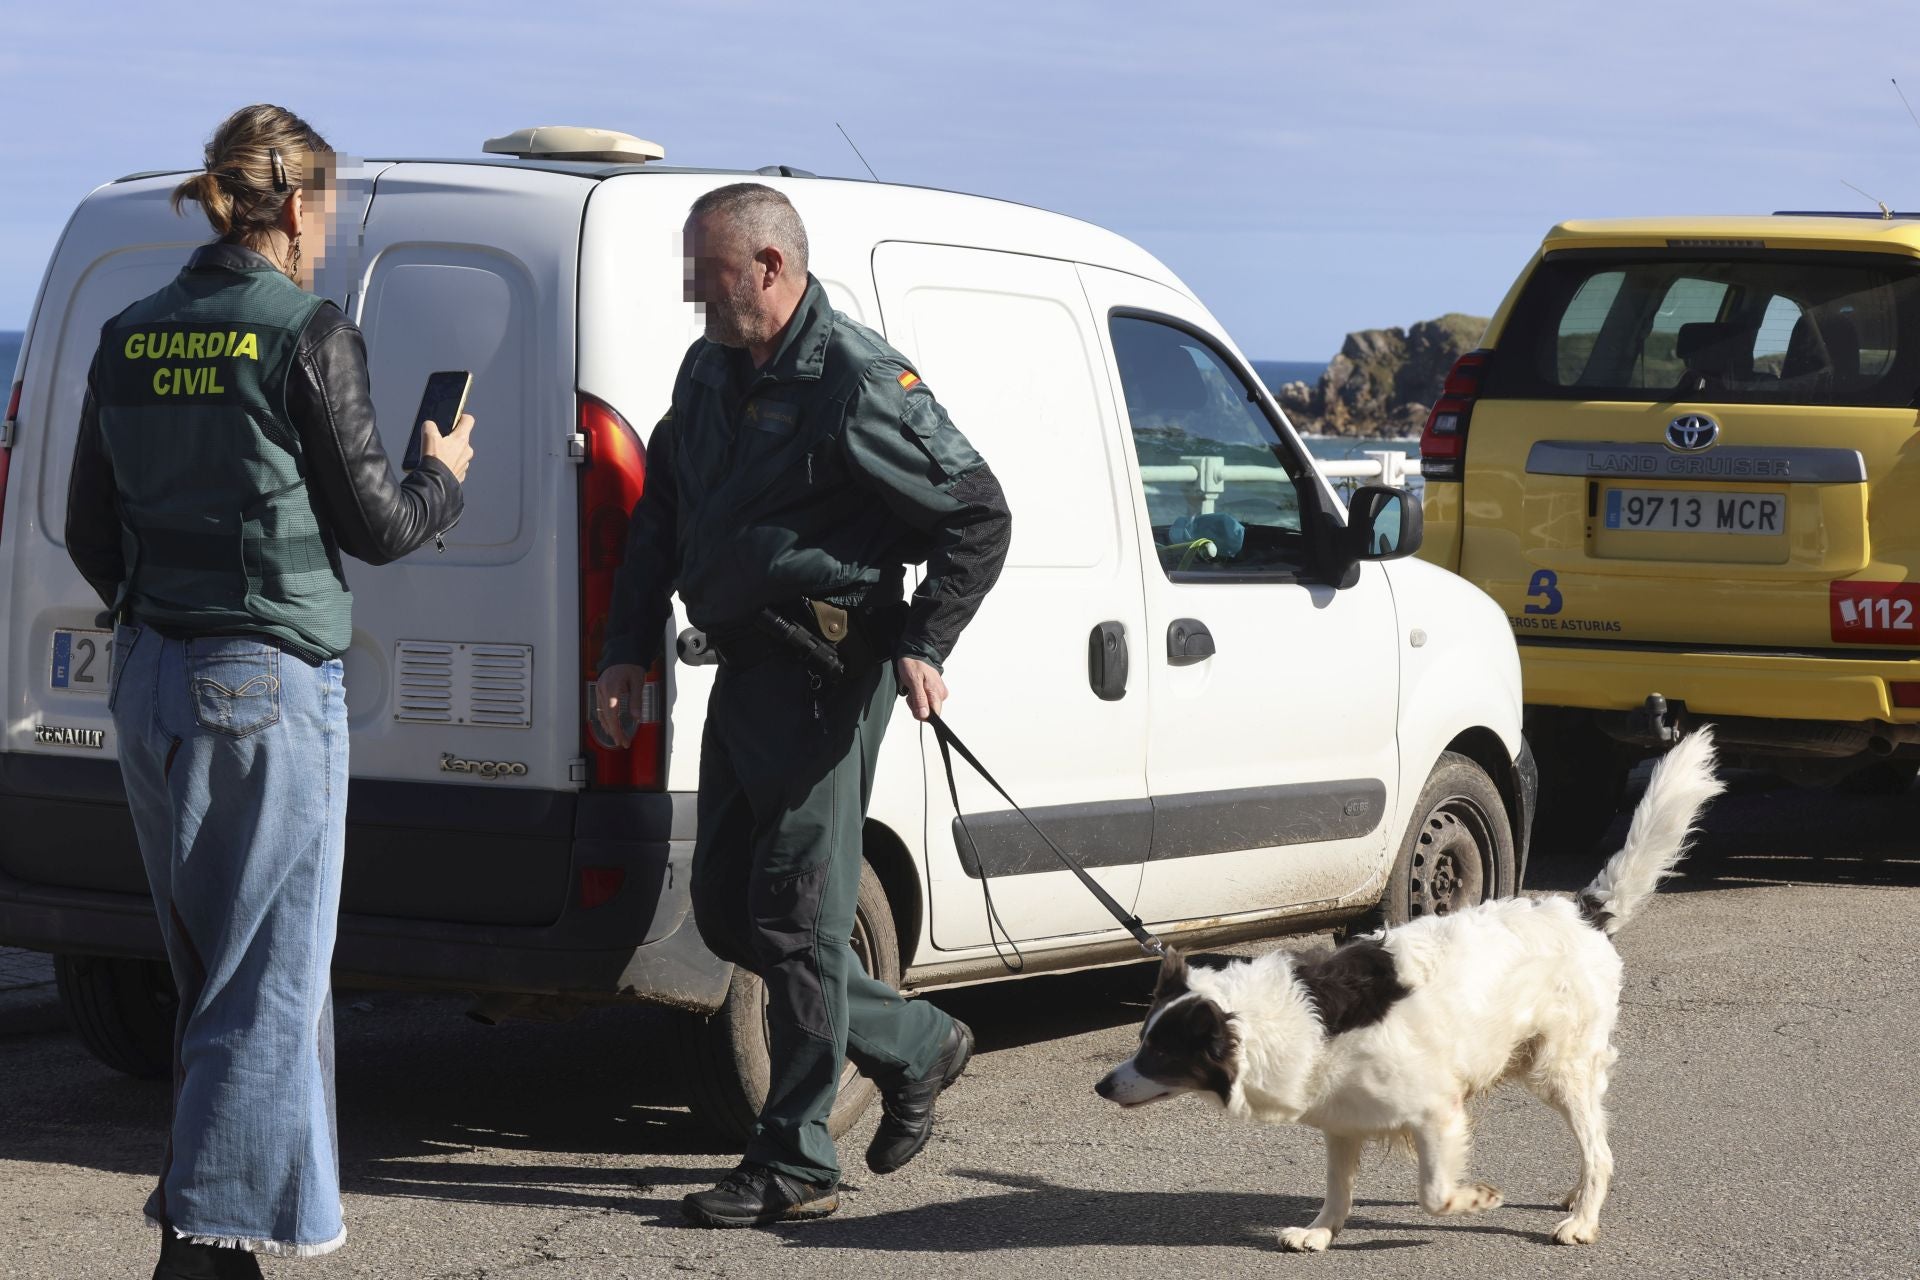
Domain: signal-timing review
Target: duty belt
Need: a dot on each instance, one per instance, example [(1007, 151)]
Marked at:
[(811, 633)]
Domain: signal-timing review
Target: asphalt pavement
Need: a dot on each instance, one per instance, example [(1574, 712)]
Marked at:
[(1765, 1122)]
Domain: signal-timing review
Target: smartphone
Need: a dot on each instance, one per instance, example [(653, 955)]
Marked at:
[(444, 400)]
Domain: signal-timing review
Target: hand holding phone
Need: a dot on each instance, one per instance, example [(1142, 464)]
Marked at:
[(443, 404), (453, 449)]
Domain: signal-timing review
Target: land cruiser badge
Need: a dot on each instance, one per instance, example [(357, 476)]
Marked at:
[(54, 735)]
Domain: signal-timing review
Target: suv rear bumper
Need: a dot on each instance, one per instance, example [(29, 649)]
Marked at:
[(1777, 686), (639, 943)]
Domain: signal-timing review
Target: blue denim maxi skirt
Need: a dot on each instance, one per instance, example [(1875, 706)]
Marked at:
[(234, 756)]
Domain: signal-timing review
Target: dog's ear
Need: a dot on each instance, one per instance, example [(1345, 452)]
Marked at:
[(1222, 1046), (1223, 1039), (1173, 975)]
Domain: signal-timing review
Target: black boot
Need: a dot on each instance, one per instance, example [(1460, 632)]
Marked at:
[(754, 1195), (184, 1260), (907, 1104)]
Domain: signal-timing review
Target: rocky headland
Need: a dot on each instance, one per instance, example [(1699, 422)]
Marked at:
[(1384, 380)]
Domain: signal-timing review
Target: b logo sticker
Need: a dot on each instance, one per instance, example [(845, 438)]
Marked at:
[(1545, 585)]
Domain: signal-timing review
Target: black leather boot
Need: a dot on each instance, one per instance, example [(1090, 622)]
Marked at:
[(754, 1195), (184, 1260), (907, 1104)]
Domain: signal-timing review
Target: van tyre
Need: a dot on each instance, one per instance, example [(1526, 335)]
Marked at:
[(122, 1010), (724, 1060), (1458, 849), (1583, 781)]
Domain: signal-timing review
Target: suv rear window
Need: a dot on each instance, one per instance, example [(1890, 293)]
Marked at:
[(1754, 328)]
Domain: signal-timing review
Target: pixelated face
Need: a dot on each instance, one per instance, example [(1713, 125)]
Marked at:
[(328, 212), (721, 282), (1188, 1045)]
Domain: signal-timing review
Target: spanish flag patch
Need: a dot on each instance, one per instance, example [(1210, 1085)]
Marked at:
[(908, 379)]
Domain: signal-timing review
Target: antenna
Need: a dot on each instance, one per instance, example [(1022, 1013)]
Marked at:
[(876, 177), (1903, 100), (1885, 212)]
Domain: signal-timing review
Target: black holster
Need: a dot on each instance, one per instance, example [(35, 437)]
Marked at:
[(794, 632)]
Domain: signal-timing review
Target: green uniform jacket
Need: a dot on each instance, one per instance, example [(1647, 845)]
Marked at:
[(227, 454), (821, 475)]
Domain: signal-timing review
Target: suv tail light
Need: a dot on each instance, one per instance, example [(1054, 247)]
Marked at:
[(6, 447), (611, 481), (1443, 444)]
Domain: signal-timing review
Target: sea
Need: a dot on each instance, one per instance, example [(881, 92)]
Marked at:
[(1275, 373)]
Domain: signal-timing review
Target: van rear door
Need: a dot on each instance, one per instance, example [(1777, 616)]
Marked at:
[(58, 746), (1659, 422), (463, 669)]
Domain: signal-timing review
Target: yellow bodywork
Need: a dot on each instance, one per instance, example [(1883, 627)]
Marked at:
[(1731, 625)]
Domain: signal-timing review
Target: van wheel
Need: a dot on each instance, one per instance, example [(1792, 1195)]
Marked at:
[(1457, 852), (724, 1059), (122, 1010), (1583, 779)]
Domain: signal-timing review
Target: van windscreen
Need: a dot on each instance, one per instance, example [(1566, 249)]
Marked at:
[(1755, 328)]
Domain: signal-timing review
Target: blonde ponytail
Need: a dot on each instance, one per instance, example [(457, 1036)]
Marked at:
[(258, 157), (204, 189)]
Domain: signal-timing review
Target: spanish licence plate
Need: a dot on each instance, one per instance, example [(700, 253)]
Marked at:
[(82, 661), (1696, 511)]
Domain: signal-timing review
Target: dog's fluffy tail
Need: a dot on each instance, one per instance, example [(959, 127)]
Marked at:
[(1682, 784)]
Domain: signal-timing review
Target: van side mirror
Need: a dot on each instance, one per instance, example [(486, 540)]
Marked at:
[(1382, 524)]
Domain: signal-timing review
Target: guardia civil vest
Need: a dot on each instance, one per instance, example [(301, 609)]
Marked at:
[(219, 532)]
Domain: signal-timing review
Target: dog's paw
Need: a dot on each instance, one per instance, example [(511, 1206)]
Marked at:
[(1305, 1239), (1574, 1231), (1477, 1198)]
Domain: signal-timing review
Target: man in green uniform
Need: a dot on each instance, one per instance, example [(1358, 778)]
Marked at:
[(803, 464)]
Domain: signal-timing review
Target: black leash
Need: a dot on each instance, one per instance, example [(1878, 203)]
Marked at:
[(950, 742)]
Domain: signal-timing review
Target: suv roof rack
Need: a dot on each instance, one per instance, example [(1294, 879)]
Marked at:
[(1875, 214), (570, 142)]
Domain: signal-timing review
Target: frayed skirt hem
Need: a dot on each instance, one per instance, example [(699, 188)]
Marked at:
[(272, 1248)]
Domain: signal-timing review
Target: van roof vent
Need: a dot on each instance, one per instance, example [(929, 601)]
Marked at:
[(569, 142)]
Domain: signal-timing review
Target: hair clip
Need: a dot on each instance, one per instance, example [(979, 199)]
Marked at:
[(279, 169)]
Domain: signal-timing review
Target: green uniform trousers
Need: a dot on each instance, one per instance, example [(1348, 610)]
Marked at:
[(785, 775)]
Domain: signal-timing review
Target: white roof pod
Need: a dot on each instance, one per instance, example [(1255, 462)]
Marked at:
[(571, 142)]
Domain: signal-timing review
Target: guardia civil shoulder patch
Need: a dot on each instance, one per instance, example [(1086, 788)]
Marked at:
[(907, 379)]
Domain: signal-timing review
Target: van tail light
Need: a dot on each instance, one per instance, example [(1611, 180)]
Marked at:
[(1443, 444), (12, 423), (611, 480)]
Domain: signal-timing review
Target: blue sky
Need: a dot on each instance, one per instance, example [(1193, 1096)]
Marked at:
[(1307, 169)]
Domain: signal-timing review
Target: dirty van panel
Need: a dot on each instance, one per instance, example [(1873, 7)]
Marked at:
[(433, 307), (463, 664), (1640, 464)]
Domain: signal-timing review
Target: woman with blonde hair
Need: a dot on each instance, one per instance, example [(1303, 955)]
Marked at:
[(227, 460)]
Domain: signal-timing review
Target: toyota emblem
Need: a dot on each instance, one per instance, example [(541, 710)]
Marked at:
[(1692, 431)]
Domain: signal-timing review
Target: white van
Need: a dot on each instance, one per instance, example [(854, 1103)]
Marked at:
[(1241, 733)]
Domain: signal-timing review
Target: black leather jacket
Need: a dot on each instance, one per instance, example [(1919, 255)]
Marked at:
[(367, 513)]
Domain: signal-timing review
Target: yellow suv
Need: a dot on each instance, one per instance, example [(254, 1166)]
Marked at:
[(1686, 462)]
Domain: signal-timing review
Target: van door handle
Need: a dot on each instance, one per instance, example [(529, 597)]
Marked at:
[(1188, 642), (1107, 661)]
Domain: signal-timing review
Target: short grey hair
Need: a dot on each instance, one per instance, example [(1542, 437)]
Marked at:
[(763, 216)]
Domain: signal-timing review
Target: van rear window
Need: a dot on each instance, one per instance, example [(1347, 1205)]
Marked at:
[(1764, 328)]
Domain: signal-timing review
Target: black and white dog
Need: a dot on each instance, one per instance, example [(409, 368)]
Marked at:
[(1391, 1035)]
